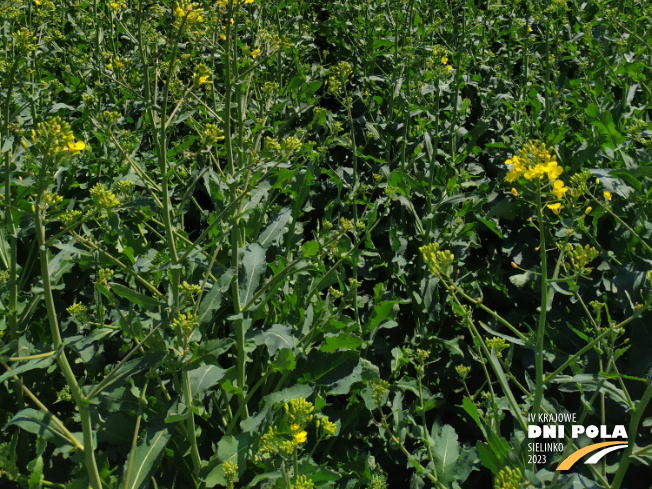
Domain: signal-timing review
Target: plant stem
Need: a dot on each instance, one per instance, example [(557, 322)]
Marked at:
[(62, 360), (634, 421), (541, 329), (192, 436)]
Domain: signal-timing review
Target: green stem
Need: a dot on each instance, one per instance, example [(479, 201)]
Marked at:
[(134, 441), (572, 359), (424, 426), (541, 330), (190, 427), (62, 360), (634, 421)]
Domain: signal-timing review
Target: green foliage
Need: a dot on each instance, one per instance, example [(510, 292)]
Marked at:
[(275, 243)]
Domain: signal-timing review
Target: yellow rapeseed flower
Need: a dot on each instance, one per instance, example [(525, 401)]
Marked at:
[(75, 147), (295, 427), (444, 60), (559, 189), (300, 437), (255, 53), (202, 80), (555, 208), (607, 195)]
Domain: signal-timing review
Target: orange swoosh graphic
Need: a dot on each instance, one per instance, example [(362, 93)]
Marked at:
[(574, 457)]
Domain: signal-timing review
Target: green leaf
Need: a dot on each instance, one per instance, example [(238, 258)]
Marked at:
[(285, 395), (275, 228), (212, 301), (137, 298), (488, 457), (146, 456), (592, 382), (492, 226), (276, 338), (365, 370), (27, 366), (36, 472), (230, 448), (521, 279), (254, 264), (284, 361), (446, 451), (135, 366), (345, 341), (204, 377), (41, 424), (310, 248), (472, 410), (383, 311)]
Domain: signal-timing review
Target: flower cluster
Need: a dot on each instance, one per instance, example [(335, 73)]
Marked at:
[(125, 187), (54, 138), (439, 262), (185, 325), (463, 371), (509, 478), (190, 290), (78, 312), (302, 482), (580, 256), (230, 473), (338, 80), (380, 389), (497, 344), (189, 13), (298, 412), (201, 75), (533, 162), (326, 428), (103, 198), (104, 275)]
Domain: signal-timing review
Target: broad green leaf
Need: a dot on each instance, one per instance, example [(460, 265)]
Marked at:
[(592, 382), (137, 298), (283, 361), (146, 456), (135, 366), (212, 301), (36, 473), (256, 196), (492, 226), (203, 378), (488, 457), (230, 448), (285, 395), (345, 341), (275, 228), (254, 264), (21, 367), (383, 311), (310, 248), (325, 369), (41, 424), (521, 279), (276, 338), (446, 451), (472, 410), (365, 370)]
